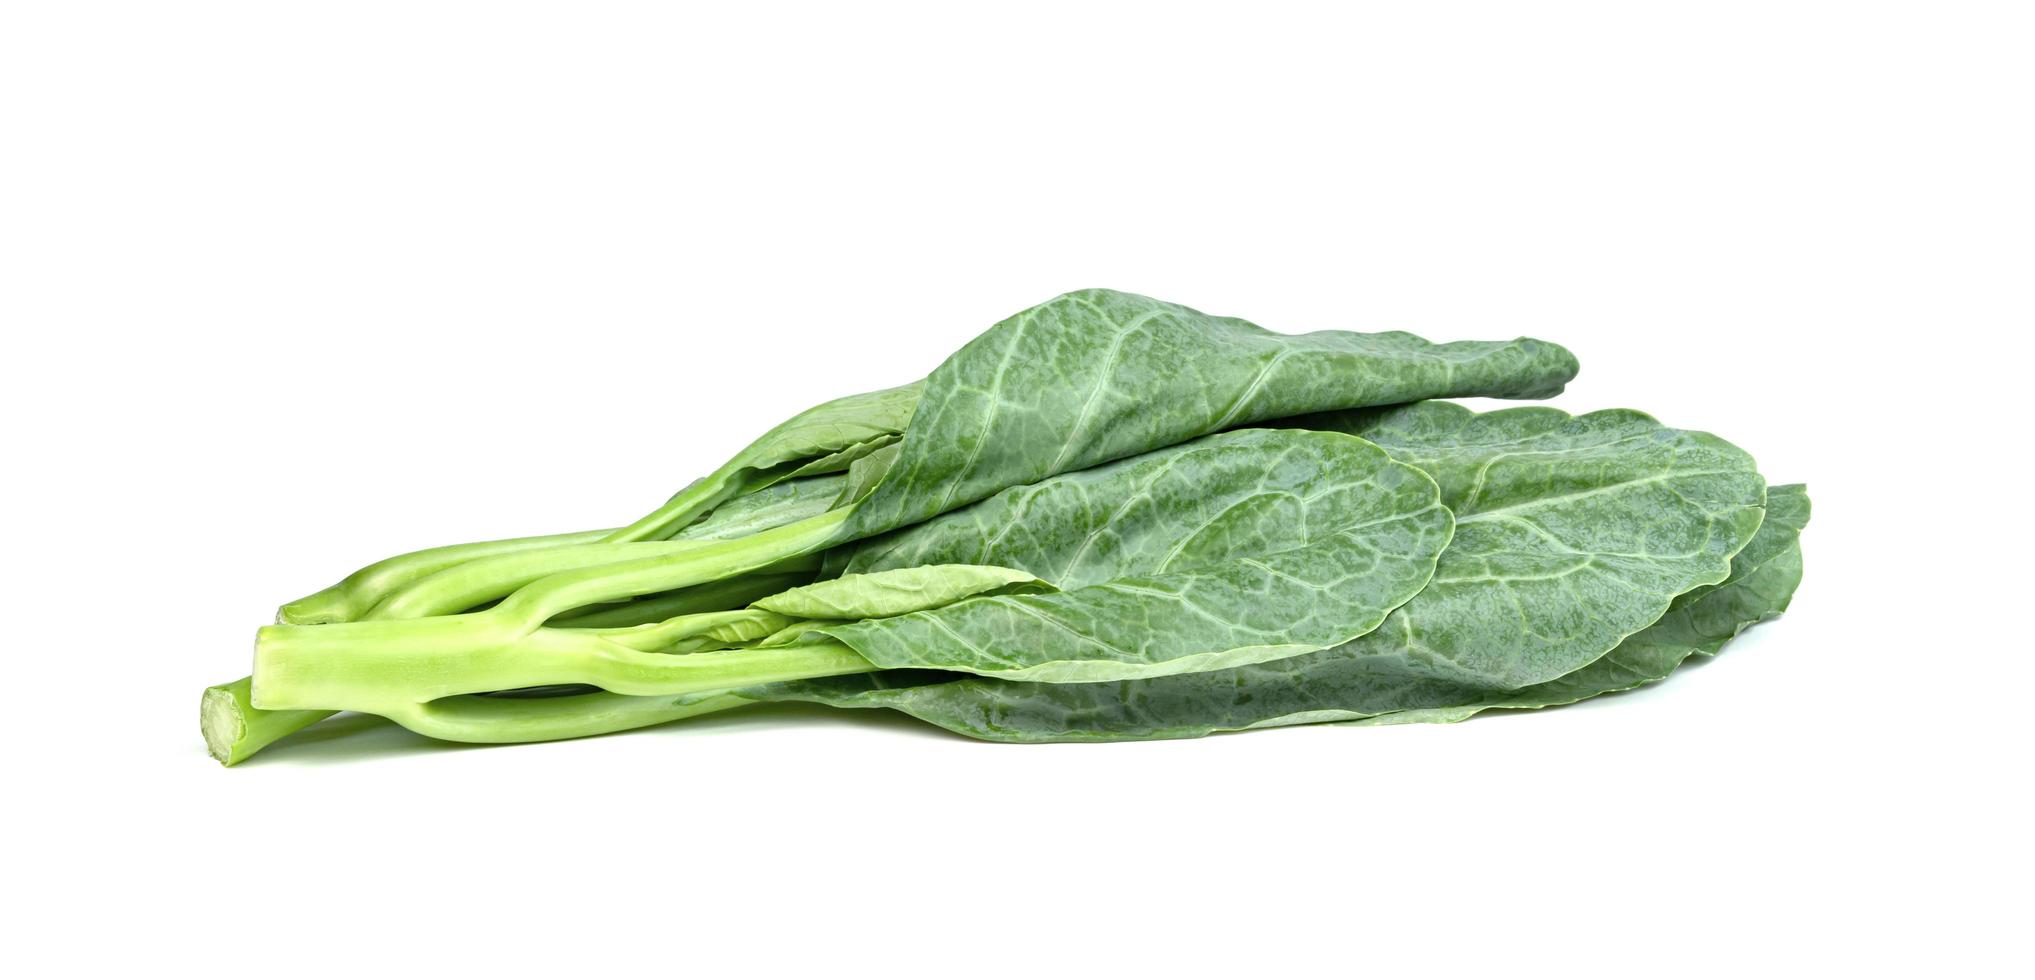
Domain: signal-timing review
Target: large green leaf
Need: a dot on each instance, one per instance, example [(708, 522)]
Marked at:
[(1085, 378), (1236, 548), (1098, 375), (1572, 533), (1699, 623)]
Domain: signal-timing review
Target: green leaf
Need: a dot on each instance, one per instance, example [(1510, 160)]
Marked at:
[(823, 439), (865, 473), (1699, 623), (757, 624), (1098, 375), (898, 591), (1236, 548), (773, 506), (839, 462), (1572, 533), (794, 633)]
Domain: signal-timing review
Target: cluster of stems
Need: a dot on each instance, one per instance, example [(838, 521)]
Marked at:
[(595, 631)]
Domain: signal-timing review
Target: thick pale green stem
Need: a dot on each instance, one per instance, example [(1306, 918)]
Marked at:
[(674, 567), (484, 580), (235, 729), (381, 666), (483, 719), (624, 671), (386, 668), (357, 593), (375, 666), (705, 562)]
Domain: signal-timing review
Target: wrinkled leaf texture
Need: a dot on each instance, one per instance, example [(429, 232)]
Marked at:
[(1236, 548), (1098, 375), (1572, 534)]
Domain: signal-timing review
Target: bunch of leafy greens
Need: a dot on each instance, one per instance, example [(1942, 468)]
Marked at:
[(1105, 518)]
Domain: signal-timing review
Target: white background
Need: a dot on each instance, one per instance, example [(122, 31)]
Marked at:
[(288, 287)]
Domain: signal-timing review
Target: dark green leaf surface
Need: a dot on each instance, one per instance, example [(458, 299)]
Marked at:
[(1763, 580), (1572, 533), (1098, 375), (1236, 548)]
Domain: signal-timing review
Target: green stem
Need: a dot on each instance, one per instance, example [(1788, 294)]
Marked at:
[(684, 507), (235, 729), (386, 668), (234, 726), (623, 671), (483, 580), (731, 593), (477, 719), (673, 568), (380, 666), (354, 595), (701, 563)]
